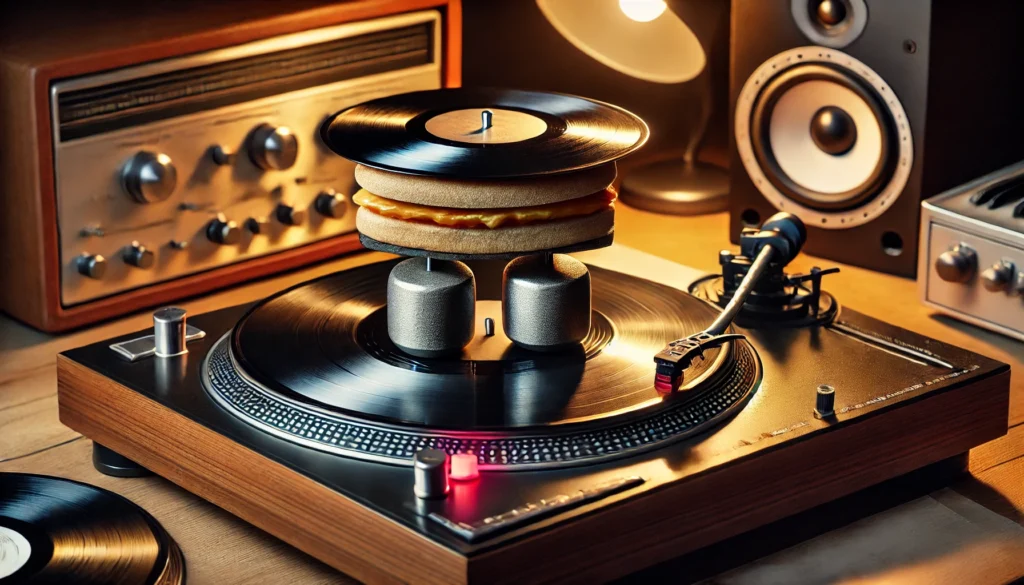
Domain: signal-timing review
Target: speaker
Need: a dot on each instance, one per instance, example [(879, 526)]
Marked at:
[(848, 112)]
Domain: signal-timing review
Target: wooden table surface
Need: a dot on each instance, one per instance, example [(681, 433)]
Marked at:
[(985, 510)]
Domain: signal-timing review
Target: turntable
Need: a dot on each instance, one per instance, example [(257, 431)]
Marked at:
[(493, 410)]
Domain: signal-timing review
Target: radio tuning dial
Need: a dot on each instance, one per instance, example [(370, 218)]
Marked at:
[(149, 177), (330, 204), (956, 264), (92, 265), (998, 277), (290, 215), (273, 147), (138, 256), (223, 231)]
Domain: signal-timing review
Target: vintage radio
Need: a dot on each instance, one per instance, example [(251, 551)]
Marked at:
[(152, 154)]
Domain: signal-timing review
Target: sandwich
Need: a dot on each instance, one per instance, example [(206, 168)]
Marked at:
[(485, 217)]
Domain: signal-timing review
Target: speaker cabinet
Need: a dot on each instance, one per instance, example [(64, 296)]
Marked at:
[(849, 112)]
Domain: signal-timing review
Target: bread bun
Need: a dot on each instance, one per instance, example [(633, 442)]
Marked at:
[(462, 194), (522, 238)]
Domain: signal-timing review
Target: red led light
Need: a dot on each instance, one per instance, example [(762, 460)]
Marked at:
[(464, 467)]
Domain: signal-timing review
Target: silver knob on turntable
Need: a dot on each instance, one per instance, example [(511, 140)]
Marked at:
[(169, 332), (430, 471), (546, 301), (273, 147), (149, 177)]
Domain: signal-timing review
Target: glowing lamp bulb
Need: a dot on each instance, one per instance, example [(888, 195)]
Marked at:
[(643, 10), (464, 467)]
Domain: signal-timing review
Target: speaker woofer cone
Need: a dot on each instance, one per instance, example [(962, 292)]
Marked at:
[(873, 177)]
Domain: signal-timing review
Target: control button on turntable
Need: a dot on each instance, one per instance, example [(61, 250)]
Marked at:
[(273, 148), (289, 214), (430, 469), (331, 204), (91, 265), (464, 467), (223, 231), (998, 277), (139, 256), (957, 264), (149, 177), (825, 401)]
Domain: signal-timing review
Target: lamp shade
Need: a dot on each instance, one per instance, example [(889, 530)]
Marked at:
[(662, 50)]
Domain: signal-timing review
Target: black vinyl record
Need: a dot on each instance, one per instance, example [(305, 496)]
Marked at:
[(55, 530), (325, 342), (441, 133)]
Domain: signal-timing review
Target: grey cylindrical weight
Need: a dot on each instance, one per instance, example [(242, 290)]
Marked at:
[(430, 471), (431, 312), (546, 301), (169, 331)]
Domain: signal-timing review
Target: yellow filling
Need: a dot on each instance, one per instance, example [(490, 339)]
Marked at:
[(489, 218)]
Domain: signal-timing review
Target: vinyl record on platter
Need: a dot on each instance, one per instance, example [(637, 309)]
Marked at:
[(55, 530), (483, 133)]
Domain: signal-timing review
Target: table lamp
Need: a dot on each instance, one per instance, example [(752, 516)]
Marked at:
[(656, 42)]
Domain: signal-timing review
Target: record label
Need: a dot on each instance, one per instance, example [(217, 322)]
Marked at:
[(15, 551), (468, 126)]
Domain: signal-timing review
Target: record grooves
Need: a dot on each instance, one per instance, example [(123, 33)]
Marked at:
[(557, 133), (55, 530), (314, 364)]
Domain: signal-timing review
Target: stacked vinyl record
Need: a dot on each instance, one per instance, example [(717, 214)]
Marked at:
[(59, 531), (484, 172)]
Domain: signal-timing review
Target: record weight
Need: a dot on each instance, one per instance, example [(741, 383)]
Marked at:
[(55, 530), (483, 133)]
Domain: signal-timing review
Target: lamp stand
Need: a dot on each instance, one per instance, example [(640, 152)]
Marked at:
[(681, 187)]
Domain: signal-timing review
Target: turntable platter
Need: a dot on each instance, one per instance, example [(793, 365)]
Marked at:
[(320, 353)]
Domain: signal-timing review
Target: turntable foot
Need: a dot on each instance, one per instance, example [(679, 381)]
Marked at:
[(109, 462), (546, 301)]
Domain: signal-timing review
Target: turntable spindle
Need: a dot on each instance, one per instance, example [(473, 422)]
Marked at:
[(485, 119)]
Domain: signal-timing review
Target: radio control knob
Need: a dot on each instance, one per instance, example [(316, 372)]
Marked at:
[(957, 264), (256, 225), (149, 177), (92, 265), (223, 231), (138, 256), (289, 215), (273, 147), (998, 277), (330, 204)]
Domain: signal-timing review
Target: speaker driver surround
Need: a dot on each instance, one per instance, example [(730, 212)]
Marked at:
[(823, 136)]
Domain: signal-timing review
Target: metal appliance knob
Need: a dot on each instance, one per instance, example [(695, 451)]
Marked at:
[(824, 401), (256, 225), (998, 277), (149, 177), (957, 264), (430, 473), (223, 231), (139, 256), (169, 332), (289, 214), (91, 265), (330, 204), (273, 147)]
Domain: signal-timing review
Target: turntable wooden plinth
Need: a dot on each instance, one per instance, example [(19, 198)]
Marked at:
[(773, 459)]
